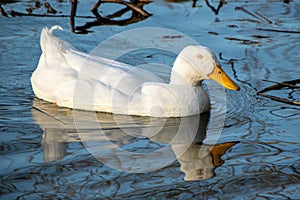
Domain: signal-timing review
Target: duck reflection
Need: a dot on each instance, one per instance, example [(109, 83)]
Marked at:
[(184, 137)]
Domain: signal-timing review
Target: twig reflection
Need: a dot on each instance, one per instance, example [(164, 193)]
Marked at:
[(278, 86), (138, 13), (215, 10), (135, 6), (2, 11)]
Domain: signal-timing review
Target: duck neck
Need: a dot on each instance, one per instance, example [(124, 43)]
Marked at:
[(184, 73)]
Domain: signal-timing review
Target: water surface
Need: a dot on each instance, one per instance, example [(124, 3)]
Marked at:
[(257, 155)]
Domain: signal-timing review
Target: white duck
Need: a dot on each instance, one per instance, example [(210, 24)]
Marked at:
[(74, 79)]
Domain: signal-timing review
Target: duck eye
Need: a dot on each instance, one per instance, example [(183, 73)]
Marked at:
[(219, 72), (199, 56)]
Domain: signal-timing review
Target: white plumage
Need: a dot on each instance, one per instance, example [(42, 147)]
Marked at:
[(74, 79)]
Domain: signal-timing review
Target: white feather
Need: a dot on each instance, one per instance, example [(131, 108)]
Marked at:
[(74, 79)]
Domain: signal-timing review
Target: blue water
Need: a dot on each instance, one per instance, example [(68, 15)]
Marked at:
[(44, 155)]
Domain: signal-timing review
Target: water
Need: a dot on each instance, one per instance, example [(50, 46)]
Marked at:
[(256, 157)]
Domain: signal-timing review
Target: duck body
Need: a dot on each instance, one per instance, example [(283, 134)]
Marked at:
[(73, 79)]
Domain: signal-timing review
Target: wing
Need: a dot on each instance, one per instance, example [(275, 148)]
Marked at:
[(170, 100)]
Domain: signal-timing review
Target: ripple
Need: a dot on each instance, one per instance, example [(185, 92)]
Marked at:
[(241, 106), (264, 164)]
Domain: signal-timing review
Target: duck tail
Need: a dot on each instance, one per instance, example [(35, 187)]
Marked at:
[(50, 44)]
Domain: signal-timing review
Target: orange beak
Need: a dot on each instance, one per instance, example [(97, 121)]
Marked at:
[(221, 77)]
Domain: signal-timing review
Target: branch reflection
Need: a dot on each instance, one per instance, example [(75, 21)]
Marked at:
[(134, 6)]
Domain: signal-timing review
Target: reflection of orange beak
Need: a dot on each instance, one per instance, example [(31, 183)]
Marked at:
[(218, 151), (221, 77)]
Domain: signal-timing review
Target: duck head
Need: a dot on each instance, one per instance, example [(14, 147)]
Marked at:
[(197, 63)]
